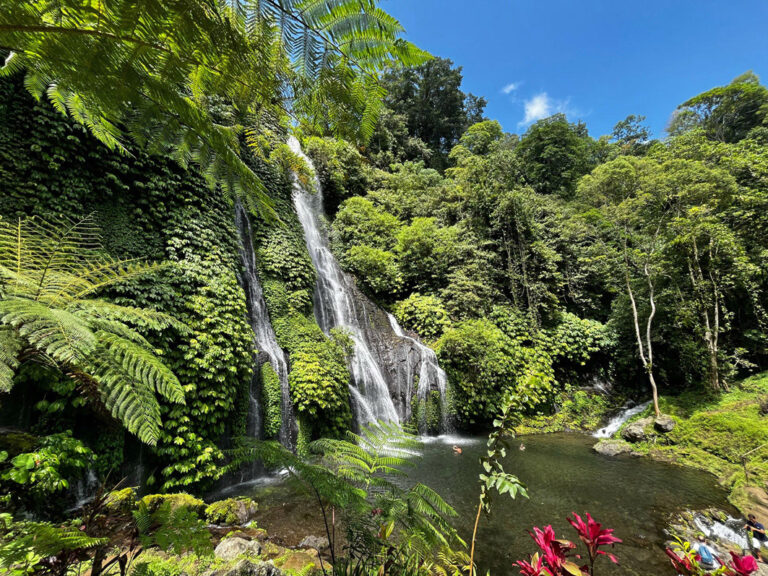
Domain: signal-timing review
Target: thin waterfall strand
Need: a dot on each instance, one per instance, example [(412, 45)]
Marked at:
[(264, 335)]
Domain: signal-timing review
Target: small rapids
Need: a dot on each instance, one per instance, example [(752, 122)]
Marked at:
[(617, 421)]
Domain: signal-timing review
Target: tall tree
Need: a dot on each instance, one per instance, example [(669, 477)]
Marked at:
[(554, 154), (726, 113), (436, 110)]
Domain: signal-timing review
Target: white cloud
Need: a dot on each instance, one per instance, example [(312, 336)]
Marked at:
[(511, 87), (538, 107), (542, 106)]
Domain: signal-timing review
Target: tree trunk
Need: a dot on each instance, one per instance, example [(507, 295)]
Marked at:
[(472, 570), (646, 360)]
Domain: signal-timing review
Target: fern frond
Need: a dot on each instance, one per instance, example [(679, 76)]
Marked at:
[(59, 334), (47, 270), (10, 346), (143, 317), (140, 365), (130, 401)]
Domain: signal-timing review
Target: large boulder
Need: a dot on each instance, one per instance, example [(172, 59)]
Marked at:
[(316, 542), (664, 423), (612, 447), (635, 431), (231, 511), (248, 568), (230, 548)]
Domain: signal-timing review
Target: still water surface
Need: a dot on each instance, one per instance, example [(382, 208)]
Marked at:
[(633, 495)]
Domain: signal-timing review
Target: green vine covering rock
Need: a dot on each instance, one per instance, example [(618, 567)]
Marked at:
[(271, 401), (148, 208)]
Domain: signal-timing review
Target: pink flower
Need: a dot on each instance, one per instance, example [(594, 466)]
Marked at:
[(741, 565), (555, 551), (533, 568), (594, 535)]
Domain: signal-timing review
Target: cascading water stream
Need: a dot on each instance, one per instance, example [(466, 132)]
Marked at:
[(615, 423), (431, 376), (264, 335), (335, 305)]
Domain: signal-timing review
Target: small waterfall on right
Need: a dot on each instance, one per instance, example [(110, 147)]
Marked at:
[(335, 306), (431, 377), (616, 422), (266, 341)]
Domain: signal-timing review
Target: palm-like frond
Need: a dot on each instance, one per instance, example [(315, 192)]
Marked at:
[(10, 347), (49, 271), (151, 72)]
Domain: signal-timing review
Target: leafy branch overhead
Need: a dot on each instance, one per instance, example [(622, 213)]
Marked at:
[(50, 275), (189, 77)]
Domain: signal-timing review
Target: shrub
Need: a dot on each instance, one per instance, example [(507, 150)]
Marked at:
[(376, 269), (425, 315), (360, 221)]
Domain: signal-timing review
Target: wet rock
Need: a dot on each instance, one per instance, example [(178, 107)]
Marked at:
[(612, 447), (316, 542), (664, 423), (248, 568), (15, 441), (231, 548), (635, 432)]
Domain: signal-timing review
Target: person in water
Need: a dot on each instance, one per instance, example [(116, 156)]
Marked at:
[(757, 535), (706, 554), (456, 449)]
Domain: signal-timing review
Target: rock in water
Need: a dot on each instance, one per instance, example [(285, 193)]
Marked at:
[(609, 447), (316, 542), (664, 423), (635, 432), (231, 548)]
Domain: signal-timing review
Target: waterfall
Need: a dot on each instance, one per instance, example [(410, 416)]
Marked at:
[(615, 423), (264, 336), (431, 376), (85, 489), (335, 306)]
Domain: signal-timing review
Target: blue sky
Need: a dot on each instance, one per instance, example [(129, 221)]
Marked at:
[(595, 60)]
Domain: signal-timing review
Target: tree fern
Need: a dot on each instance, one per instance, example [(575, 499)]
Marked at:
[(49, 274), (147, 72)]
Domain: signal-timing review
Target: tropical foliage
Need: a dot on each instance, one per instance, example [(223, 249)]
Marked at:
[(51, 274), (192, 78)]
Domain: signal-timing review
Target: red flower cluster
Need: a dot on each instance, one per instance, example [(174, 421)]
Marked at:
[(594, 535), (687, 564), (554, 559)]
